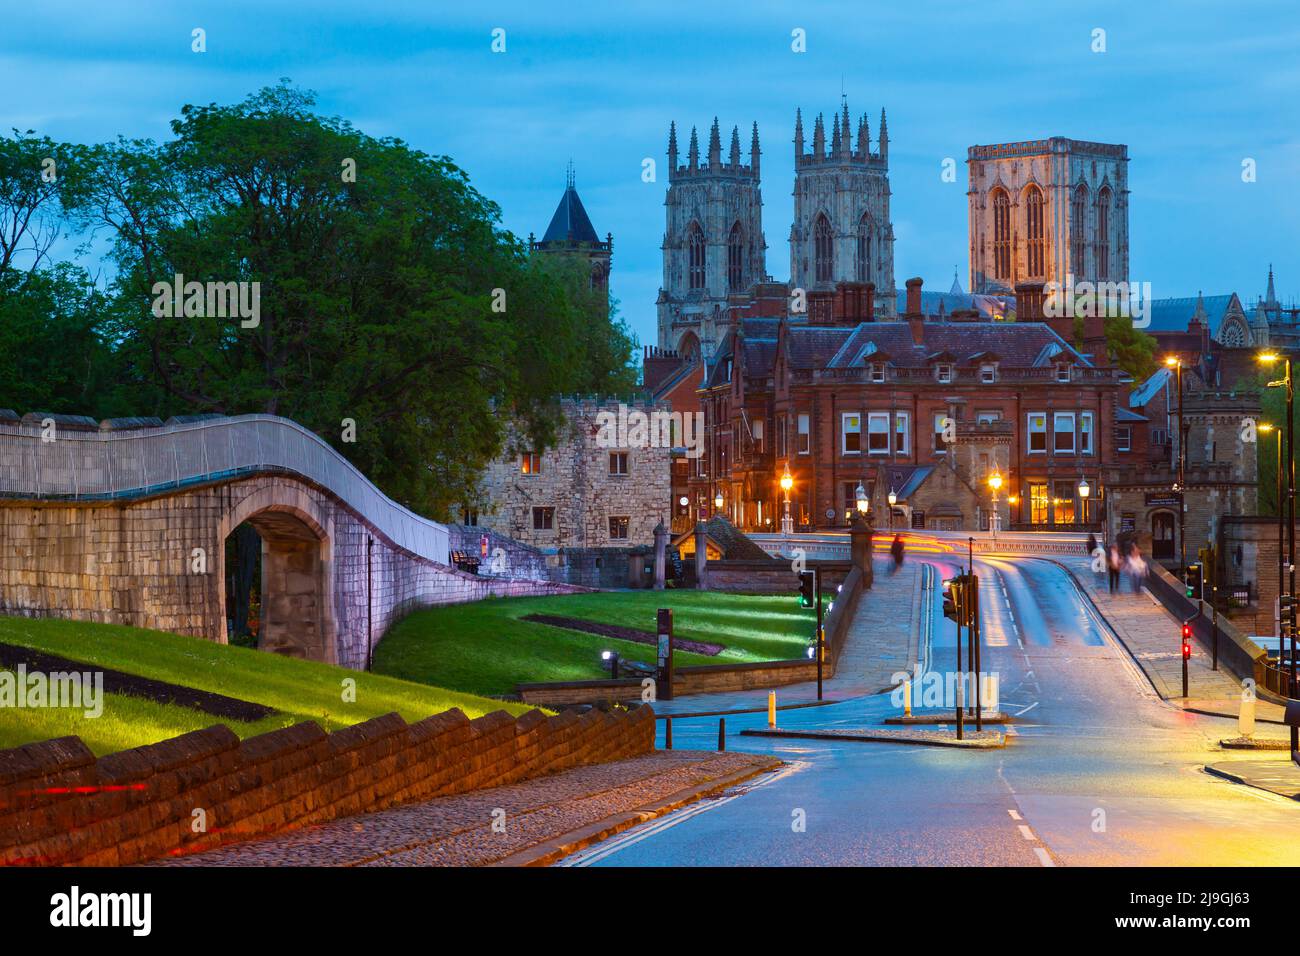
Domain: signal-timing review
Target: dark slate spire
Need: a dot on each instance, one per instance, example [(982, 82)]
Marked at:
[(798, 134), (672, 147), (754, 150), (693, 154), (735, 146), (715, 145), (570, 222)]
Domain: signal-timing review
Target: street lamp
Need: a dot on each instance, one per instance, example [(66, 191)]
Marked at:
[(893, 500), (1084, 491), (864, 504), (1175, 363), (718, 501), (1265, 428), (787, 482), (612, 657), (1268, 358), (995, 482)]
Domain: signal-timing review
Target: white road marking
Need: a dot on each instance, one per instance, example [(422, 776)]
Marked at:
[(1043, 857), (653, 827), (1027, 833), (1014, 815), (1027, 709)]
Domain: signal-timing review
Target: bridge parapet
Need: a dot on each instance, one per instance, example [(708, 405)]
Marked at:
[(63, 464)]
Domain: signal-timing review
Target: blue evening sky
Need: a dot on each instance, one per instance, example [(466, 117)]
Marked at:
[(1191, 87)]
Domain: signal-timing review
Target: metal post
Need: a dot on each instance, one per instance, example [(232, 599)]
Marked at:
[(668, 734), (961, 615), (664, 672), (1290, 520), (821, 644), (1182, 490), (722, 733), (979, 716), (1184, 657)]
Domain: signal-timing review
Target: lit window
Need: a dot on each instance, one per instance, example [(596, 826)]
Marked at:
[(618, 527), (530, 463), (941, 425), (757, 432)]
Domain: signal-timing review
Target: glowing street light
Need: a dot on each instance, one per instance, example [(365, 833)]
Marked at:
[(893, 500), (1287, 514), (787, 482), (995, 482), (864, 505)]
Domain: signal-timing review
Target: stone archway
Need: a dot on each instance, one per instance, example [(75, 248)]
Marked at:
[(297, 588)]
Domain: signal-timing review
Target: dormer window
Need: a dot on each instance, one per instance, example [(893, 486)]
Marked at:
[(877, 372), (988, 373), (1063, 373), (943, 372)]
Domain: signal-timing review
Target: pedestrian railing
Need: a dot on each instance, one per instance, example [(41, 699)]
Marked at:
[(63, 464)]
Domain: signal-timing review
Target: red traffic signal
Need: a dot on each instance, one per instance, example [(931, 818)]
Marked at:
[(1187, 641)]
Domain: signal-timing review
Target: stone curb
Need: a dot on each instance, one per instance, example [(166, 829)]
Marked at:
[(990, 740), (1291, 792), (1255, 743), (949, 718), (556, 848), (752, 710)]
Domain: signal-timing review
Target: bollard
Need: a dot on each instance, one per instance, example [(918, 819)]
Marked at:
[(722, 733), (771, 709), (668, 734), (907, 698), (1246, 718)]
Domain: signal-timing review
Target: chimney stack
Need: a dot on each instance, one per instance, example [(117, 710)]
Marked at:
[(915, 318)]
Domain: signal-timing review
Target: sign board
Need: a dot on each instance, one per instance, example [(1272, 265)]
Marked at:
[(1127, 522), (1162, 499)]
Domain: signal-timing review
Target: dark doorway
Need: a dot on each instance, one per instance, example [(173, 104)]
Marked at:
[(243, 586), (1162, 536)]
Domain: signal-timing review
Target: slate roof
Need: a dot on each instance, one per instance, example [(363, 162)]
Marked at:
[(1147, 390), (570, 222), (1172, 315), (1016, 344), (988, 305), (1123, 416)]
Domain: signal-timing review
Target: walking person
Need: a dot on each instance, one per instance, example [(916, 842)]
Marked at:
[(896, 550), (1137, 568), (1092, 544), (1113, 564)]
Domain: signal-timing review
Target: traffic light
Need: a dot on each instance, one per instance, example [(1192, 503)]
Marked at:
[(952, 598), (1187, 640), (807, 589), (1194, 583)]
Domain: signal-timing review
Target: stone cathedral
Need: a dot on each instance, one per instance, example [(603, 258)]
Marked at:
[(714, 247)]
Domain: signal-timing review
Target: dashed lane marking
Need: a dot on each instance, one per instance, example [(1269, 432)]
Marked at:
[(1043, 856), (1015, 815), (1027, 833)]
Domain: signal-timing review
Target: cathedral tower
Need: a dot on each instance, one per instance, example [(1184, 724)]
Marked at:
[(842, 231), (713, 240), (1047, 210)]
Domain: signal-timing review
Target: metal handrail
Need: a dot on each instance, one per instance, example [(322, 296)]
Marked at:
[(87, 466)]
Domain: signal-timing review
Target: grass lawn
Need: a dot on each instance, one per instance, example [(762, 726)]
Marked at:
[(300, 690), (485, 648)]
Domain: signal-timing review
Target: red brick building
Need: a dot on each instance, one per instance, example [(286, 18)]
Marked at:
[(927, 407)]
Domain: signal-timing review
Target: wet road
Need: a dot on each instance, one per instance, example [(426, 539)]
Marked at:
[(1097, 770)]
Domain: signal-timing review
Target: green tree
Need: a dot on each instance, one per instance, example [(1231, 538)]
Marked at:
[(389, 294)]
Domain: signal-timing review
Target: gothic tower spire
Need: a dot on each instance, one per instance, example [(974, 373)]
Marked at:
[(735, 146), (884, 136), (715, 146), (798, 135), (672, 148), (754, 151), (693, 154)]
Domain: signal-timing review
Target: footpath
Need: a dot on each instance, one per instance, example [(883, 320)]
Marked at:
[(531, 823), (1152, 635)]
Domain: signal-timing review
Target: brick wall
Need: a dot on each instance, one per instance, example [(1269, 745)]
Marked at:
[(139, 804)]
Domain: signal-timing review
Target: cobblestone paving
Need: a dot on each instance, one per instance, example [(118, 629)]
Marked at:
[(458, 831)]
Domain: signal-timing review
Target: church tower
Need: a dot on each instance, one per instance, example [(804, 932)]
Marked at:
[(842, 231), (713, 240), (571, 233)]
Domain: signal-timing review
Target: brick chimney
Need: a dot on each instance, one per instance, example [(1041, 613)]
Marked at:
[(1094, 339), (915, 318), (854, 303)]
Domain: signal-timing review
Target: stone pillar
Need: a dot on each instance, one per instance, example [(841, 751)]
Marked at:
[(701, 557), (860, 545), (661, 555)]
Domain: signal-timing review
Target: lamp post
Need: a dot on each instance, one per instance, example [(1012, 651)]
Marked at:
[(995, 482), (1084, 491), (787, 482), (893, 500), (1175, 363), (1269, 358), (1265, 427), (864, 503), (718, 502)]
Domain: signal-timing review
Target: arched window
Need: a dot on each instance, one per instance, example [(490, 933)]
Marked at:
[(823, 249), (1001, 235), (736, 260), (1034, 231), (1078, 230), (864, 248), (695, 247), (1103, 233)]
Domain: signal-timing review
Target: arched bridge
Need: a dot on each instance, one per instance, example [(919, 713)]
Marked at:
[(128, 523)]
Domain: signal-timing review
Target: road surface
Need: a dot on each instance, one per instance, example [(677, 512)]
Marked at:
[(1099, 771)]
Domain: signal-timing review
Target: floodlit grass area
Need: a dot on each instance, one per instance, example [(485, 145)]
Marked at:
[(300, 690), (485, 648)]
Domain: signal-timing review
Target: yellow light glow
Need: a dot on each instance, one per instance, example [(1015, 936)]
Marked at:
[(787, 482), (1171, 361), (1268, 358), (1265, 427), (995, 481)]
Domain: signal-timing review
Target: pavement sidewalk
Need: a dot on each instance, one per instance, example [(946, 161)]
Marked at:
[(532, 822)]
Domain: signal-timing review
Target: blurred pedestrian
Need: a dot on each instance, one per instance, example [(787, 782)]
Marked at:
[(896, 550), (1113, 564), (1137, 568), (1092, 544)]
